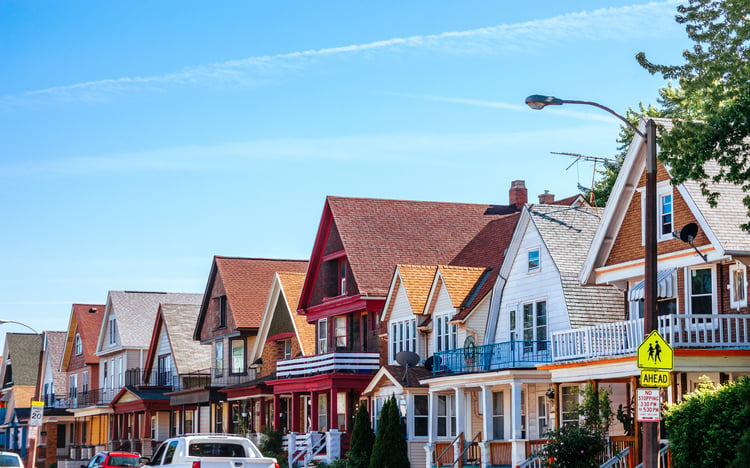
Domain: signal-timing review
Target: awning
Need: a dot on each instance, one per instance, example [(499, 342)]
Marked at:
[(666, 282)]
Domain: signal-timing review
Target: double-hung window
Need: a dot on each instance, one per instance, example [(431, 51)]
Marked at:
[(322, 336), (701, 291), (219, 358), (421, 415), (535, 326), (446, 334), (78, 345), (664, 215), (498, 416), (446, 416), (238, 356), (339, 332), (112, 330), (737, 286), (403, 337)]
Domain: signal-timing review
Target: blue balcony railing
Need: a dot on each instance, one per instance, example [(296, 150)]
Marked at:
[(491, 357)]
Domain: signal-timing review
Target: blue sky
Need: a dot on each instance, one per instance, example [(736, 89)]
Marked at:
[(138, 139)]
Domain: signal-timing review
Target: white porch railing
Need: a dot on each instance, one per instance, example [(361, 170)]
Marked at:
[(330, 362), (609, 339), (679, 330)]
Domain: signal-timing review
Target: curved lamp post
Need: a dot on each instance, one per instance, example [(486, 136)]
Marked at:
[(18, 323), (537, 102)]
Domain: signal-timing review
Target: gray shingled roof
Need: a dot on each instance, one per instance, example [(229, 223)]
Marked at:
[(179, 321), (567, 233), (24, 351), (136, 312), (55, 348)]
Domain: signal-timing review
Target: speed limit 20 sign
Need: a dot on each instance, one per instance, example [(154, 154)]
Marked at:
[(37, 413)]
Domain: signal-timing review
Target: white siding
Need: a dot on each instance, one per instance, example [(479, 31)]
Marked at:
[(442, 305), (402, 310), (204, 419), (162, 425), (523, 287), (478, 320), (162, 346), (417, 455)]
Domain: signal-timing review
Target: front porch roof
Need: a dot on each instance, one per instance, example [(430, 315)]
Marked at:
[(501, 377), (255, 387), (399, 377), (321, 382)]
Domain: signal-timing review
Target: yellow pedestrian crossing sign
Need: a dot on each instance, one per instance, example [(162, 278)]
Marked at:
[(655, 353)]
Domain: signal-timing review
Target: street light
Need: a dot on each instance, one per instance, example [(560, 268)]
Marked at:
[(537, 101), (18, 323)]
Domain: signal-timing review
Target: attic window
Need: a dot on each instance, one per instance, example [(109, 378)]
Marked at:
[(534, 260), (222, 312), (738, 285), (342, 276), (78, 346)]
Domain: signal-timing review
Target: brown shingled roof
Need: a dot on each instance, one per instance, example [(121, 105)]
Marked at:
[(247, 282), (378, 234)]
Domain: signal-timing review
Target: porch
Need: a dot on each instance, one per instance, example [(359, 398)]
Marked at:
[(340, 361), (679, 330), (490, 357)]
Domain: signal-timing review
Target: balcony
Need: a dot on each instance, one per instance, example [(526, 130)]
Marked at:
[(342, 361), (92, 397), (491, 357), (723, 331)]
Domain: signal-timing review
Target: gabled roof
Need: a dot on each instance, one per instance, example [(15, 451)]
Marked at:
[(135, 312), (178, 322), (246, 282), (378, 234), (22, 354), (417, 280), (720, 224), (285, 288), (567, 233), (86, 320), (55, 345), (399, 377), (458, 282)]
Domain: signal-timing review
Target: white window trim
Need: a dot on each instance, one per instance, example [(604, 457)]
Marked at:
[(322, 341), (733, 301), (689, 294), (662, 188), (450, 416), (397, 330), (412, 433), (112, 324), (538, 268), (78, 345), (441, 319)]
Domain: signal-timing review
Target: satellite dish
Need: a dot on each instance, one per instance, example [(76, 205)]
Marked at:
[(407, 359), (432, 362), (687, 235)]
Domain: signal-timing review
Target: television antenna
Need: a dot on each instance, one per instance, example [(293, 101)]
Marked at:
[(582, 157)]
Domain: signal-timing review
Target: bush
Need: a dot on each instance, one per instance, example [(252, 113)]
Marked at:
[(572, 446), (362, 439), (390, 450), (272, 446), (707, 429)]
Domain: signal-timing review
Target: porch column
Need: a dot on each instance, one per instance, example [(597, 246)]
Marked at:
[(332, 409), (487, 433), (518, 444), (294, 413), (558, 404), (314, 411), (460, 408), (432, 405), (277, 411)]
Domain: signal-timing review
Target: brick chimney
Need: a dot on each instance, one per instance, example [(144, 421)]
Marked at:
[(518, 195), (546, 198)]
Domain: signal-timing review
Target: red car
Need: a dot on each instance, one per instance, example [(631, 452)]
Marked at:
[(114, 460)]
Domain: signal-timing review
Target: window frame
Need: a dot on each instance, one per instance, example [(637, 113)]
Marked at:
[(340, 332), (534, 266), (219, 358), (78, 345), (222, 311), (689, 291), (663, 189), (736, 302), (403, 337), (420, 417), (449, 418), (446, 333), (341, 268), (322, 336), (238, 368), (112, 329)]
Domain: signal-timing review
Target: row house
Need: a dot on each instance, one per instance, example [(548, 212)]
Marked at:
[(283, 334), (122, 348), (229, 320), (174, 361), (19, 372), (52, 441), (358, 244), (80, 365)]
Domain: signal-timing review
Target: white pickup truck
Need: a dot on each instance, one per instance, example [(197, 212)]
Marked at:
[(209, 451)]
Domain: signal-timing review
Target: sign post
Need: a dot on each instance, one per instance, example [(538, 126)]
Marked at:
[(36, 417)]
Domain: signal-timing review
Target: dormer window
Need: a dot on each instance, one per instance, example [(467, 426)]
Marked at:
[(664, 212), (666, 225), (342, 276), (78, 345), (287, 349), (222, 311), (112, 329), (534, 260)]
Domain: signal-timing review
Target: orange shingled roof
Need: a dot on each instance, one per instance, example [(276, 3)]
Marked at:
[(417, 280), (459, 281), (292, 284)]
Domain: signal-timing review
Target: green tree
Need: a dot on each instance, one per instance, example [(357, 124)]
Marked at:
[(390, 450), (707, 428), (362, 439), (710, 106)]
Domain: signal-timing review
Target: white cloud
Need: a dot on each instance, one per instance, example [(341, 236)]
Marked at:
[(606, 23)]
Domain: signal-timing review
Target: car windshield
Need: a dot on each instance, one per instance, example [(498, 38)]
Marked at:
[(122, 460), (212, 449), (9, 460)]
